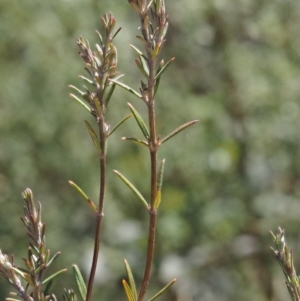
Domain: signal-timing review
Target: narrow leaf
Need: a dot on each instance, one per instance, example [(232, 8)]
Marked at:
[(142, 142), (157, 200), (160, 174), (81, 102), (131, 280), (139, 52), (54, 275), (52, 259), (100, 37), (178, 130), (47, 288), (139, 121), (109, 94), (144, 63), (163, 290), (131, 186), (93, 136), (128, 291), (137, 94), (139, 65), (159, 73), (117, 31), (80, 282), (82, 194), (120, 123), (87, 80)]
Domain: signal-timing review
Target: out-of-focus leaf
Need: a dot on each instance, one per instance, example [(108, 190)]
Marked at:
[(128, 291), (163, 290), (54, 275), (131, 280), (80, 282), (81, 102)]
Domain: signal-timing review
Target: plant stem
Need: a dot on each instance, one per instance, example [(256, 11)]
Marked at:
[(99, 214), (153, 147)]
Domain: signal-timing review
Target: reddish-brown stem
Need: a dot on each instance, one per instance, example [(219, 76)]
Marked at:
[(153, 147), (99, 214)]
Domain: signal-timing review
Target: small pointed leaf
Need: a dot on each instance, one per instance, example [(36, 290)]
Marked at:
[(120, 123), (87, 80), (163, 290), (93, 136), (100, 37), (128, 291), (144, 63), (117, 31), (160, 174), (82, 194), (131, 280), (139, 121), (137, 94), (81, 102), (139, 52), (131, 186), (159, 73), (139, 65), (142, 142), (157, 200), (54, 275), (109, 94), (80, 282), (178, 130)]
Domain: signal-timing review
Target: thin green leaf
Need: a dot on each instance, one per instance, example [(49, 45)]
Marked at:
[(178, 130), (87, 80), (142, 142), (131, 186), (128, 291), (157, 200), (97, 105), (54, 275), (157, 82), (52, 259), (163, 290), (144, 63), (131, 280), (80, 282), (139, 121), (109, 94), (137, 94), (159, 73), (139, 65), (117, 31), (142, 40), (93, 136), (160, 174), (47, 288), (139, 52), (82, 194), (120, 123), (81, 102), (100, 37)]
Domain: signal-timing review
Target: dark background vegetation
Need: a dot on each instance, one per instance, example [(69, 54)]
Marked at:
[(229, 179)]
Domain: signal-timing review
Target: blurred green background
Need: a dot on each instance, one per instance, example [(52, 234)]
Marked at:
[(229, 179)]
